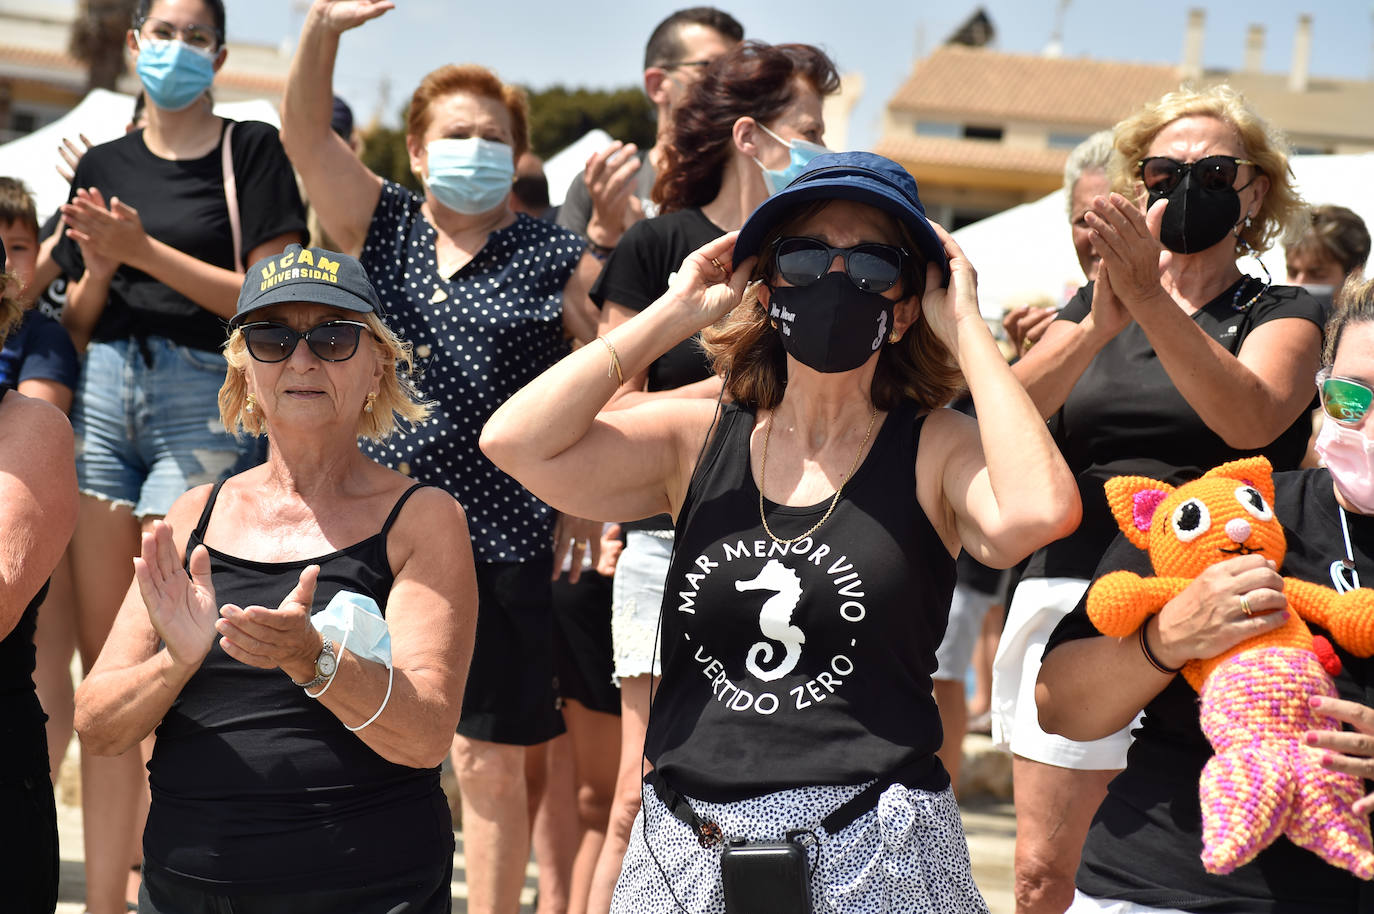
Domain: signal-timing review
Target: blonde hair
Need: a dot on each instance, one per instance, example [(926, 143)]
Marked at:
[(1261, 143), (397, 397), (747, 351)]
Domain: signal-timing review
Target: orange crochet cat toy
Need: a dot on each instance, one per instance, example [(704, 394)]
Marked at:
[(1262, 781)]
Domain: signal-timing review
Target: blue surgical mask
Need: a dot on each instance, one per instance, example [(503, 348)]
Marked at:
[(470, 176), (802, 153), (354, 621), (173, 73)]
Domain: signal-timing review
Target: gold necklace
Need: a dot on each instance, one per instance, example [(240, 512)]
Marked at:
[(763, 471)]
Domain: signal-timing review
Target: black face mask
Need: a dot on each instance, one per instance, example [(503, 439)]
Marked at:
[(830, 325), (1197, 217)]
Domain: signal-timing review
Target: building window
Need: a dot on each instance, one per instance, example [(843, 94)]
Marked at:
[(982, 133), (1066, 140), (940, 129)]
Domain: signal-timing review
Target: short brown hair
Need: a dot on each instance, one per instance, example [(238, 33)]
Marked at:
[(397, 397), (1261, 143), (1330, 232), (748, 352), (474, 80), (16, 205)]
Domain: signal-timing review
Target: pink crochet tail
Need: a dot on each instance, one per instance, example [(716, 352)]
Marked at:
[(1263, 781)]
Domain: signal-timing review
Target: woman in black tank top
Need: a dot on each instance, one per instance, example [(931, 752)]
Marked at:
[(37, 516), (291, 772), (817, 523)]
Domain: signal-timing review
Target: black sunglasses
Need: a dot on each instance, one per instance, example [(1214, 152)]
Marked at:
[(333, 341), (871, 266), (1161, 174)]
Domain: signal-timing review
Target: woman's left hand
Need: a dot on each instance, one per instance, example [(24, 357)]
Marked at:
[(946, 308), (1127, 240), (114, 232), (1350, 752), (271, 638)]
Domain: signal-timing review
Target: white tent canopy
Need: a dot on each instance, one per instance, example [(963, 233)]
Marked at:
[(101, 116), (1024, 255)]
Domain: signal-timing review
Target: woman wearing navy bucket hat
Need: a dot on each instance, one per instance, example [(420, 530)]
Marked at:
[(817, 518)]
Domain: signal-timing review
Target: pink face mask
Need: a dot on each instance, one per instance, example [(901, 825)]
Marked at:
[(1349, 457)]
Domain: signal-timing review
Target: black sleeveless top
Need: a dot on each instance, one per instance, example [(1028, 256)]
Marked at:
[(803, 664), (21, 717), (257, 786)]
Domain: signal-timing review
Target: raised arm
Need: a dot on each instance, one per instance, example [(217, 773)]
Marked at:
[(1248, 399), (343, 191), (627, 463), (635, 389), (998, 487)]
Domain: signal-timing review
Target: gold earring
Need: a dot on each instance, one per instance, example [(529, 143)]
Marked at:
[(250, 406), (371, 399), (893, 336)]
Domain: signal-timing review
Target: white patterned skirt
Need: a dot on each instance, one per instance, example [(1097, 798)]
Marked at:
[(908, 854)]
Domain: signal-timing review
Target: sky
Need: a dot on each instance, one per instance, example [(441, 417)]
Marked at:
[(598, 44)]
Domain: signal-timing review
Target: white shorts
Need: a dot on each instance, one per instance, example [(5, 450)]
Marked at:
[(636, 598), (1036, 608), (966, 612), (1086, 904)]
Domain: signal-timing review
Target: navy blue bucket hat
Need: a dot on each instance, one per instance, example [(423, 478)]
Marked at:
[(858, 176)]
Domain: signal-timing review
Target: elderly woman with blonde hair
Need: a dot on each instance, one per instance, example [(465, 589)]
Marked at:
[(298, 634), (1172, 362)]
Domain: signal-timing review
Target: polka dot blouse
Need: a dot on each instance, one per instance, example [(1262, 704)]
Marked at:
[(479, 337)]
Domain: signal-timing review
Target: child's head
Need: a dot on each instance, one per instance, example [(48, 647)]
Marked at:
[(19, 231)]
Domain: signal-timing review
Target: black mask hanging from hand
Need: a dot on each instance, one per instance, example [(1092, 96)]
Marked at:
[(830, 325), (1197, 217)]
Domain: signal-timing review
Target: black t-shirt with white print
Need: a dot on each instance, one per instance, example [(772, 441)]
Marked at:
[(802, 664), (1145, 843)]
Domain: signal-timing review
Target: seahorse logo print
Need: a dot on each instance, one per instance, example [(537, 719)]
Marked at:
[(775, 620)]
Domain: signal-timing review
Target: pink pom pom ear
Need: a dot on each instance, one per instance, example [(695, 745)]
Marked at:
[(1145, 503)]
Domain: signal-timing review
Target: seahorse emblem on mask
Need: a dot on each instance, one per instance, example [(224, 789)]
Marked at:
[(775, 621)]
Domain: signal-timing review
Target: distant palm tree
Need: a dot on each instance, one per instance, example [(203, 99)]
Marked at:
[(97, 39)]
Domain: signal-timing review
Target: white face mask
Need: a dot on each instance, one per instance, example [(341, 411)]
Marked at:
[(354, 621), (1349, 457)]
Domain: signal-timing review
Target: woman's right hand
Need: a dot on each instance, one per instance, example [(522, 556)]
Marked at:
[(181, 607), (706, 285), (1108, 315), (342, 15), (1208, 618)]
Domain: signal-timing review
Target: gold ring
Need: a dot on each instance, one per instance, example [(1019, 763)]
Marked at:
[(1026, 344), (718, 265), (1245, 605)]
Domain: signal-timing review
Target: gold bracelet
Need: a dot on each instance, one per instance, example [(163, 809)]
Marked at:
[(615, 363)]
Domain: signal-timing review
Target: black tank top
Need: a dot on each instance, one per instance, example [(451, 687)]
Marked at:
[(257, 786), (21, 717), (802, 664)]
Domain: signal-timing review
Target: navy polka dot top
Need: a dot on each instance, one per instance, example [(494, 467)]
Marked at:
[(479, 337)]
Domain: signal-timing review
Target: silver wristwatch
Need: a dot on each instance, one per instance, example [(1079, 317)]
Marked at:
[(325, 665)]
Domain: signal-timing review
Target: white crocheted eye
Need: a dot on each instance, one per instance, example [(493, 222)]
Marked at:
[(1191, 520), (1251, 500)]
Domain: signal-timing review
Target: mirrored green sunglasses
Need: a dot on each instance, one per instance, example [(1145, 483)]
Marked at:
[(1345, 400)]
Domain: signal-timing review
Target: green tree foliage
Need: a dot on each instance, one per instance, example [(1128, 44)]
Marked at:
[(558, 116), (384, 151)]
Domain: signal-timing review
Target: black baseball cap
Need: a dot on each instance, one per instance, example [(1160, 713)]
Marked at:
[(859, 176), (306, 275)]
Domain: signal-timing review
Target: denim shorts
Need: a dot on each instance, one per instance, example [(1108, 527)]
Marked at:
[(636, 598), (146, 418)]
